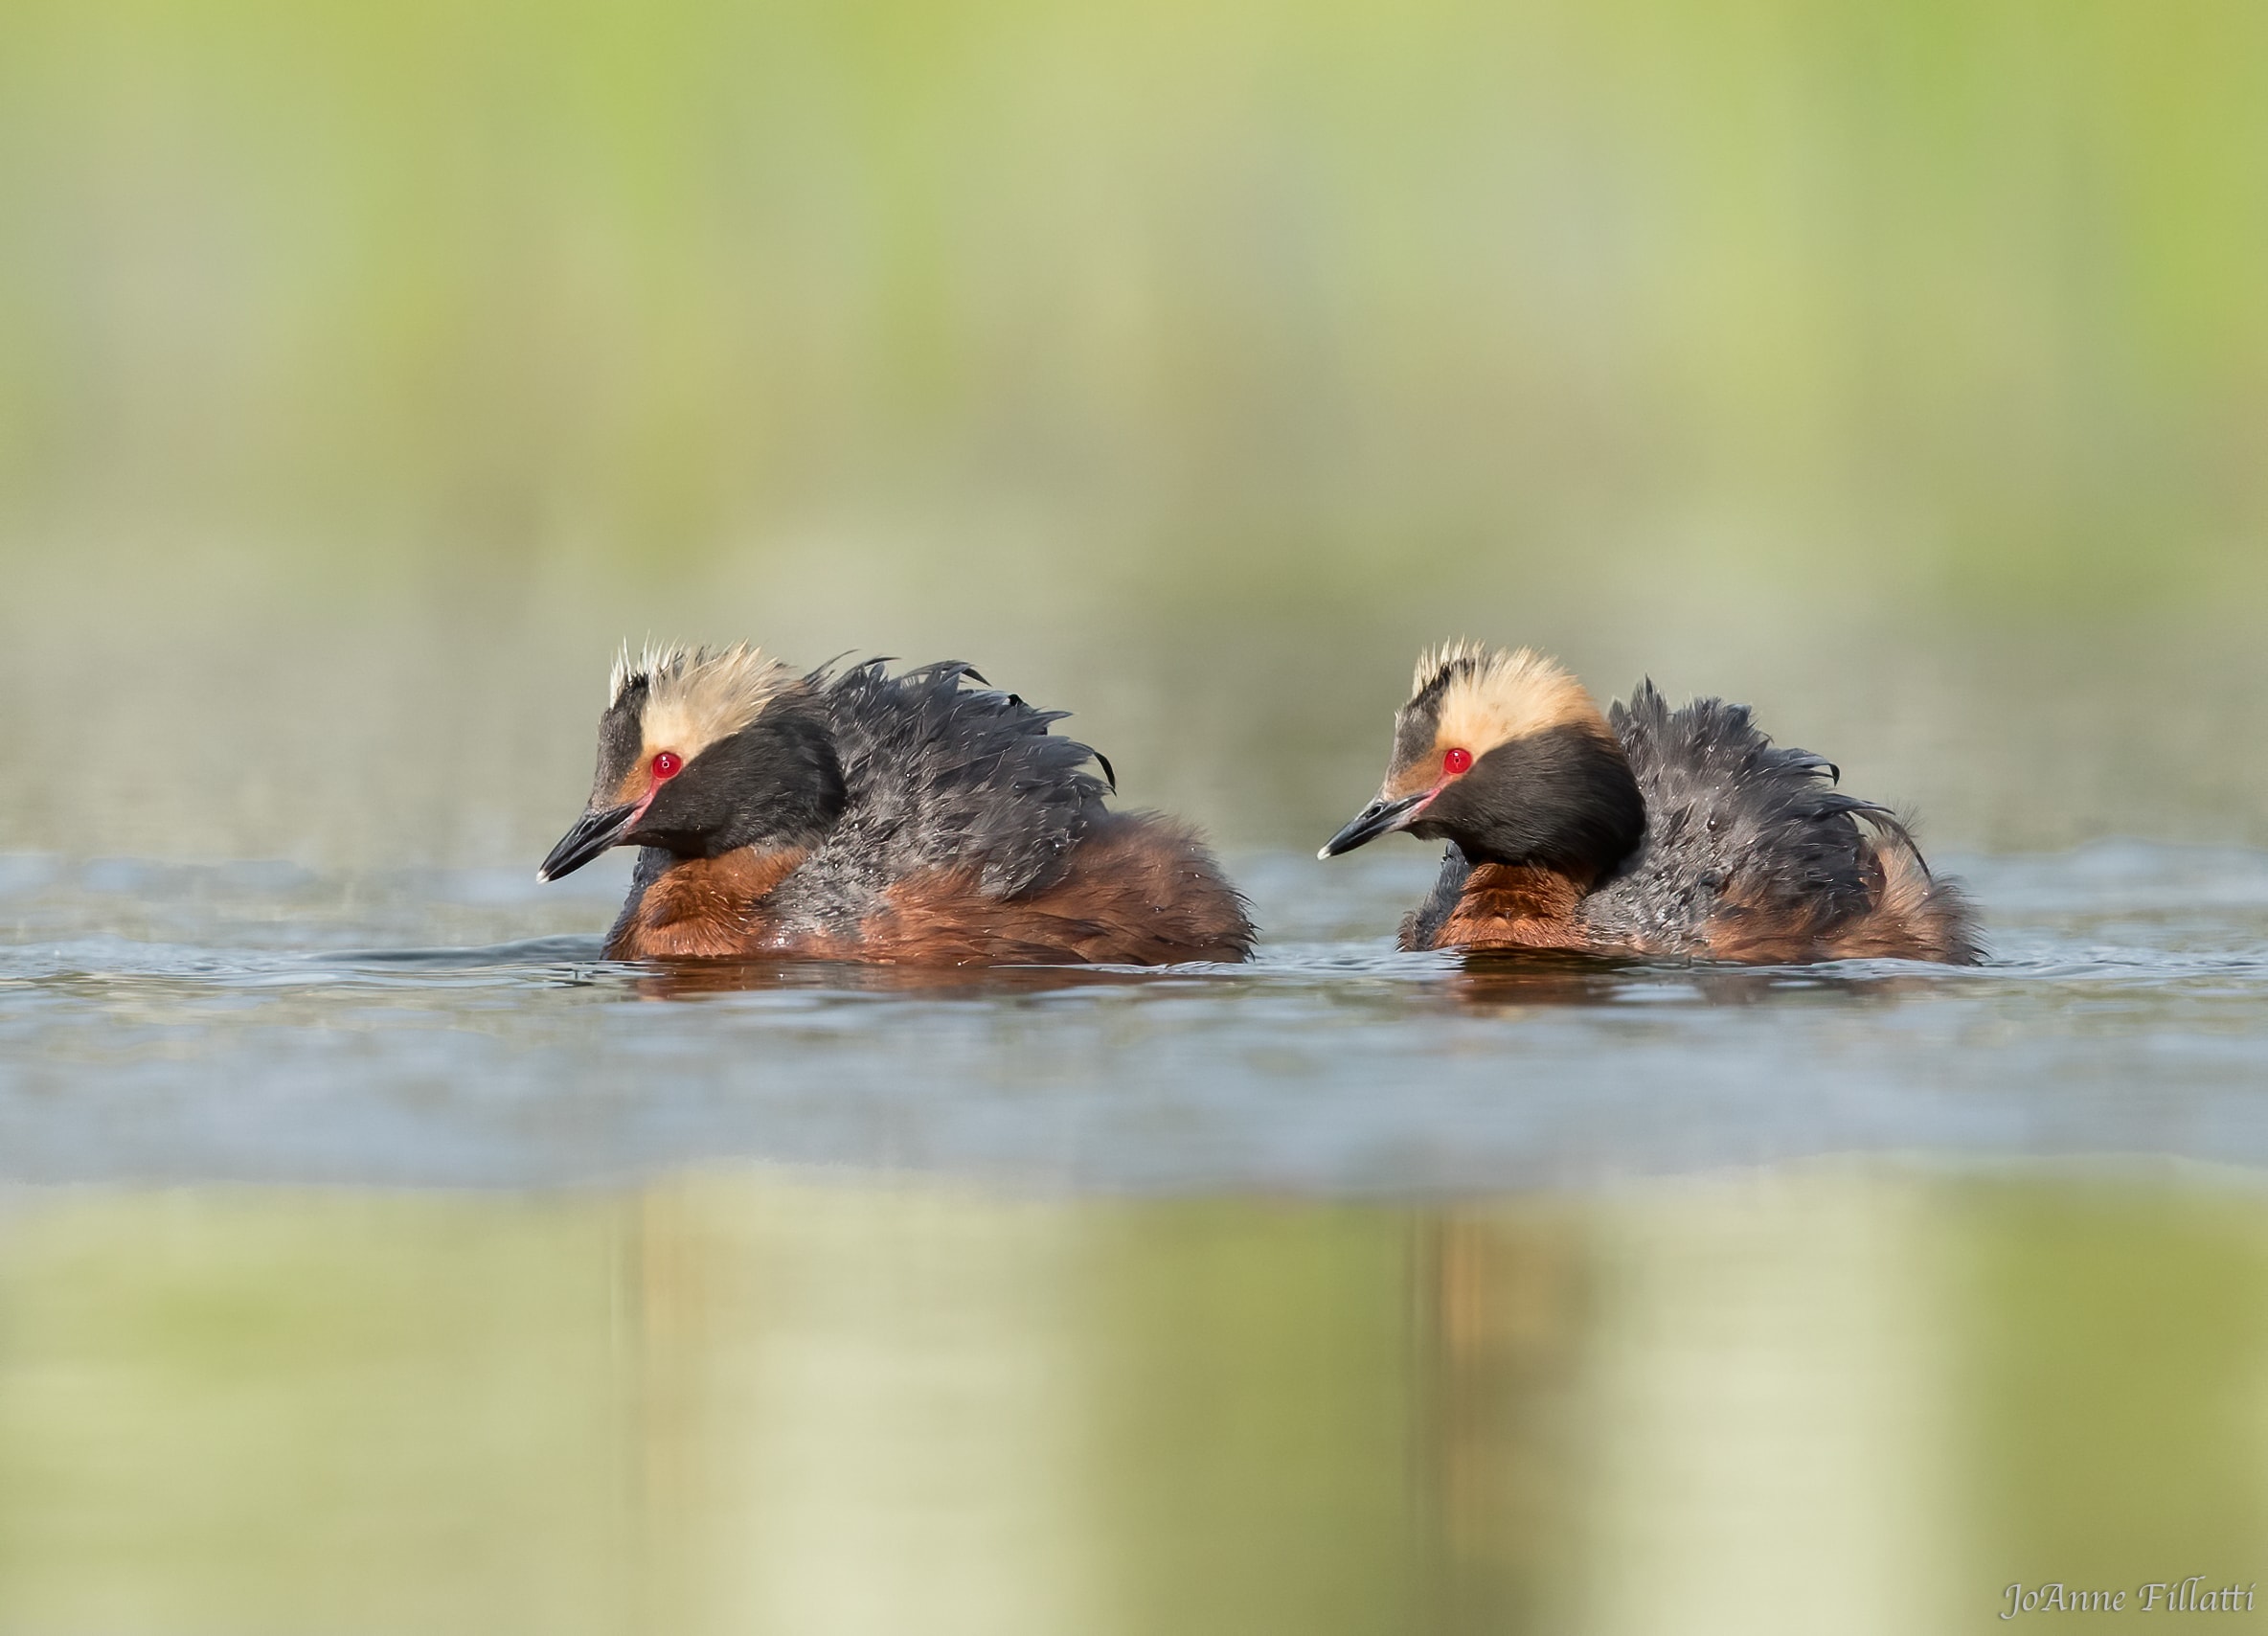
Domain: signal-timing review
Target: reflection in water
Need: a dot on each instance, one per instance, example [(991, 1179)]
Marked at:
[(1489, 981), (1823, 1399), (1553, 979), (694, 979)]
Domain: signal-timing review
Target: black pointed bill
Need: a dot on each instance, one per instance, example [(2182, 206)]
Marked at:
[(1376, 819), (593, 834)]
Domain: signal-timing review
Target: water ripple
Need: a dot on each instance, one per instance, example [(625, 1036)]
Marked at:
[(462, 1028)]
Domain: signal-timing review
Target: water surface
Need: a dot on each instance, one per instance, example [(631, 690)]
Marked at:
[(375, 1256), (266, 1022)]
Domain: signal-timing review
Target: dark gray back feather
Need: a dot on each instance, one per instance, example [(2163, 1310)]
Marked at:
[(938, 774), (1728, 813)]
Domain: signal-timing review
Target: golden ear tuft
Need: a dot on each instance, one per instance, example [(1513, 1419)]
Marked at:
[(696, 695), (1485, 696)]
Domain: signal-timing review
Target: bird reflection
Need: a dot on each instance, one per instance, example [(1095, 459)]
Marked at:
[(1555, 978), (699, 979), (1493, 981), (1504, 1302)]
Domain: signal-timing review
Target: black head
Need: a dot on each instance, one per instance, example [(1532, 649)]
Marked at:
[(1506, 755), (703, 753)]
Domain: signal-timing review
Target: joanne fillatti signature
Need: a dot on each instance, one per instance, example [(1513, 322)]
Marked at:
[(2156, 1595)]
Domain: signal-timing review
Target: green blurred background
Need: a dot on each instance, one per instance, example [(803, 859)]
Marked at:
[(368, 370), (1840, 1398)]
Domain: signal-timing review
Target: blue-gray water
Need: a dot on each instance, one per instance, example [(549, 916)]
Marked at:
[(258, 1022)]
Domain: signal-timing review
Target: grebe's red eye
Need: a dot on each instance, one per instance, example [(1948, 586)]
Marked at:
[(1457, 761), (666, 764)]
